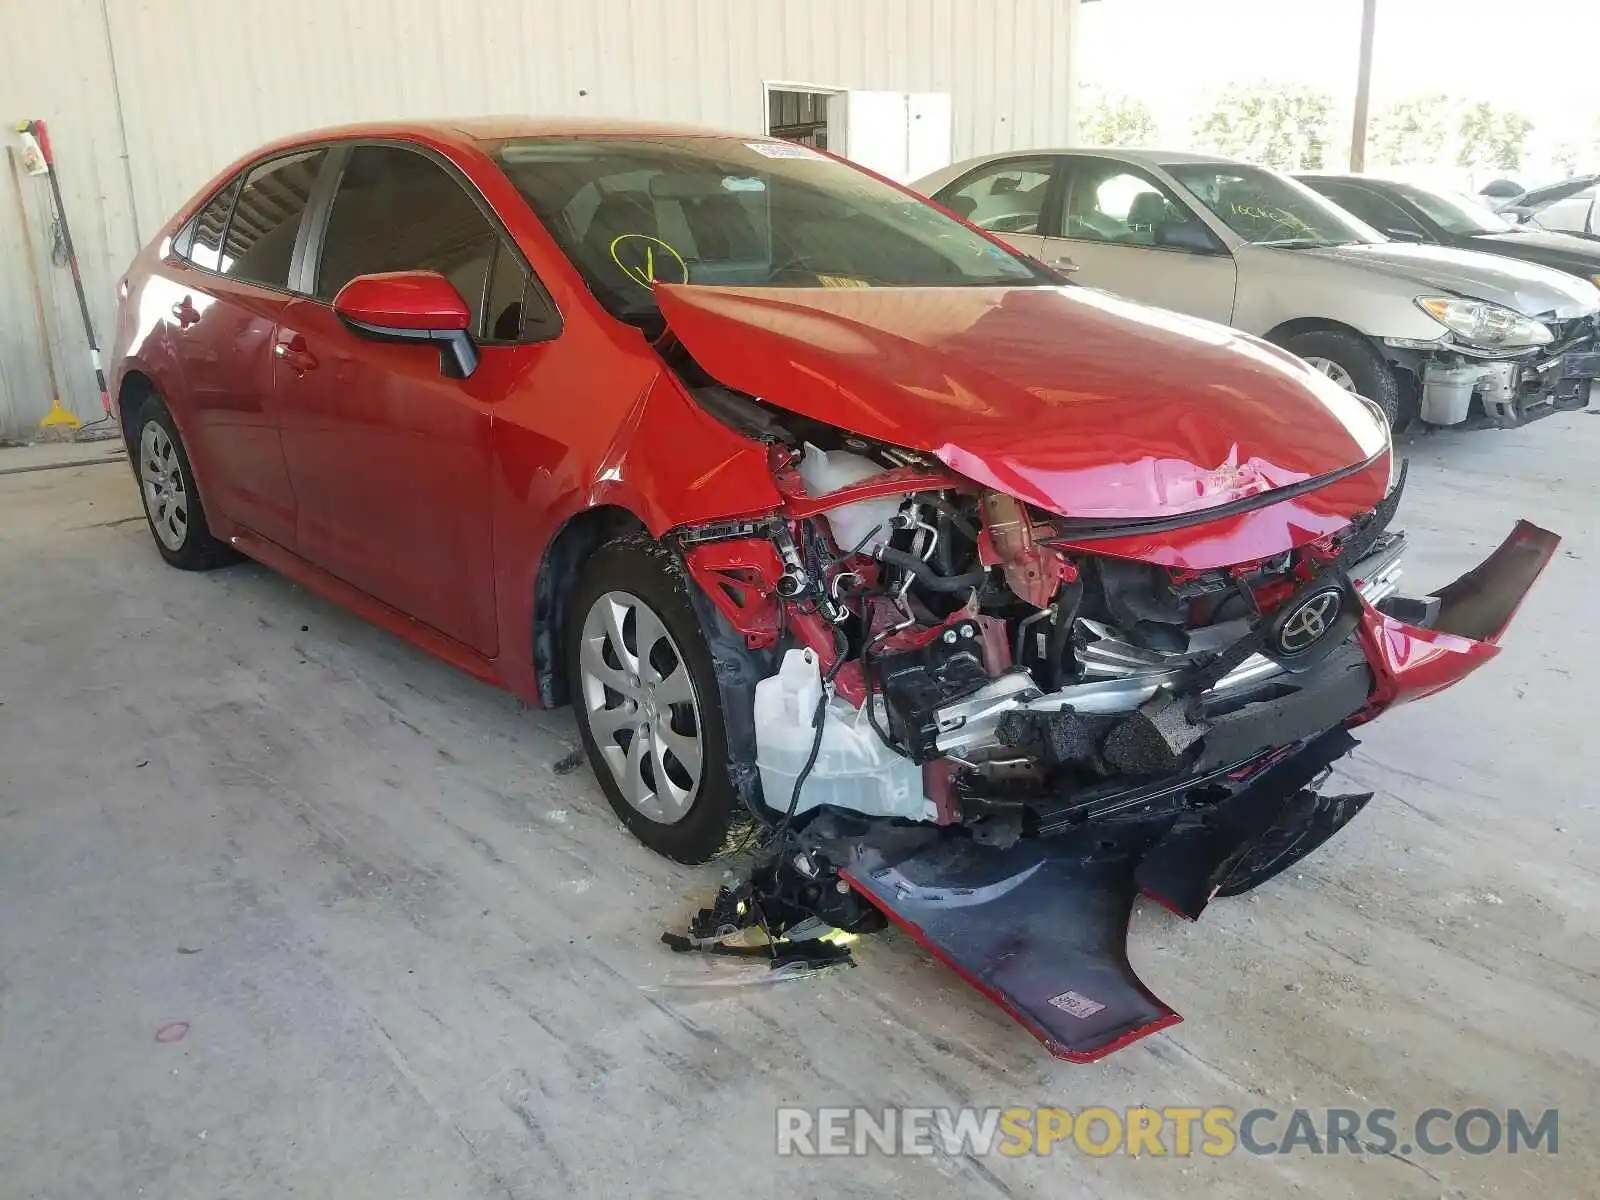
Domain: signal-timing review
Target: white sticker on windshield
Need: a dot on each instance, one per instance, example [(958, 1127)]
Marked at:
[(785, 150), (736, 183)]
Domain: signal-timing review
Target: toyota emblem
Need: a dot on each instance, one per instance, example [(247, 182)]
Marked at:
[(1309, 621)]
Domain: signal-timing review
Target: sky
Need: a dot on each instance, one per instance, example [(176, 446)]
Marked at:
[(1539, 56)]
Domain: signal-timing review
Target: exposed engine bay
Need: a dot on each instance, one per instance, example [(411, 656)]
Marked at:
[(970, 722), (971, 666)]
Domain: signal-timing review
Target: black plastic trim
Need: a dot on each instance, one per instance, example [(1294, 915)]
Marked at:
[(458, 354)]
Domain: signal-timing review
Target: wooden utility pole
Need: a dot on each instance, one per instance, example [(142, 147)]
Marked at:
[(1358, 130)]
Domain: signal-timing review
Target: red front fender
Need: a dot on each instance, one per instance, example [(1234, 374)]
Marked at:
[(1409, 662)]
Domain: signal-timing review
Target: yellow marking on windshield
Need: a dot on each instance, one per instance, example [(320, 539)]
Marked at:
[(644, 273)]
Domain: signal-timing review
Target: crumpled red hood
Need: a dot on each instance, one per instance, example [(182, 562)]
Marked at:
[(1084, 404)]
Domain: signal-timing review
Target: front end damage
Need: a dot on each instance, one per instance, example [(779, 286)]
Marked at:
[(1461, 385), (997, 738), (994, 705)]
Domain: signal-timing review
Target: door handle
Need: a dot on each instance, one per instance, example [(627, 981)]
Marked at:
[(186, 313), (292, 353)]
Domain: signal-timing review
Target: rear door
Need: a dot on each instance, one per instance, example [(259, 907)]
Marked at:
[(1113, 230), (1010, 197), (231, 293), (391, 459)]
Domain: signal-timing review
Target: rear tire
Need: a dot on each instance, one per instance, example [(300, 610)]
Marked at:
[(172, 504), (645, 692), (1352, 362)]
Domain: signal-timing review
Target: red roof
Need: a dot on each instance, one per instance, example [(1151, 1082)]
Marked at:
[(490, 128)]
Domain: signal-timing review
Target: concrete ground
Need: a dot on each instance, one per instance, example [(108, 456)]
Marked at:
[(287, 907)]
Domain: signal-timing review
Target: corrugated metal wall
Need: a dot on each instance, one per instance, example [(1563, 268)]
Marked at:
[(191, 84)]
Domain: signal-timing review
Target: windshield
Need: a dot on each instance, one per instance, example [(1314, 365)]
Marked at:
[(1267, 209), (756, 213), (1453, 212)]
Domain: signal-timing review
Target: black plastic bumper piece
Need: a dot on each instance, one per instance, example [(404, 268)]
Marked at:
[(1040, 928), (1207, 851), (1318, 700)]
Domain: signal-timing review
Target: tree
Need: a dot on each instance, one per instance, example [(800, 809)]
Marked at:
[(1278, 124), (1413, 131), (1492, 138), (1116, 121), (1579, 155)]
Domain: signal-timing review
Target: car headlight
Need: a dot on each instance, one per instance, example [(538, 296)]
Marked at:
[(1479, 323)]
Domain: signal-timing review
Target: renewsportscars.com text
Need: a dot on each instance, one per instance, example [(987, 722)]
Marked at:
[(1177, 1131)]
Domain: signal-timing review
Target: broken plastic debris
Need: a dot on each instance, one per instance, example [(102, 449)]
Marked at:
[(715, 975)]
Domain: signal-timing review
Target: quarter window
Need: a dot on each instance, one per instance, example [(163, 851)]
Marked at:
[(259, 245), (396, 210), (505, 298), (201, 242)]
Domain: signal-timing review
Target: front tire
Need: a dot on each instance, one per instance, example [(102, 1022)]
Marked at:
[(172, 504), (1354, 364), (648, 705)]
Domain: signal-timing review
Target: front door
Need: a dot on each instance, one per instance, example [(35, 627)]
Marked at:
[(1120, 230), (391, 458)]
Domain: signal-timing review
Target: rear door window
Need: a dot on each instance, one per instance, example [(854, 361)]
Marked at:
[(265, 222), (1003, 197)]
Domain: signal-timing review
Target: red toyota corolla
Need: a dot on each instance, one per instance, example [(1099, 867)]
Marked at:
[(973, 598)]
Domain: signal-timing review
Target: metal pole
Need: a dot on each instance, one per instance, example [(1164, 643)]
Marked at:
[(122, 125), (38, 130), (1358, 130)]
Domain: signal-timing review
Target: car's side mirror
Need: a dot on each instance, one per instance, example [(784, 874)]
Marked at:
[(411, 306), (1185, 235), (1404, 235)]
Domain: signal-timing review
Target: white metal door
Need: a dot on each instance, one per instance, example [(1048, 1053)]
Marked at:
[(904, 135), (928, 137)]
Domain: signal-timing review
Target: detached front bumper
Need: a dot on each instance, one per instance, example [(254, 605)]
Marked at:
[(1039, 926)]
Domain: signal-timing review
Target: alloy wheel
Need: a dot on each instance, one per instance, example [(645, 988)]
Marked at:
[(641, 705), (166, 497), (1335, 372)]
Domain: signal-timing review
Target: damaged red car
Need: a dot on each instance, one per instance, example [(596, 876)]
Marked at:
[(970, 599)]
